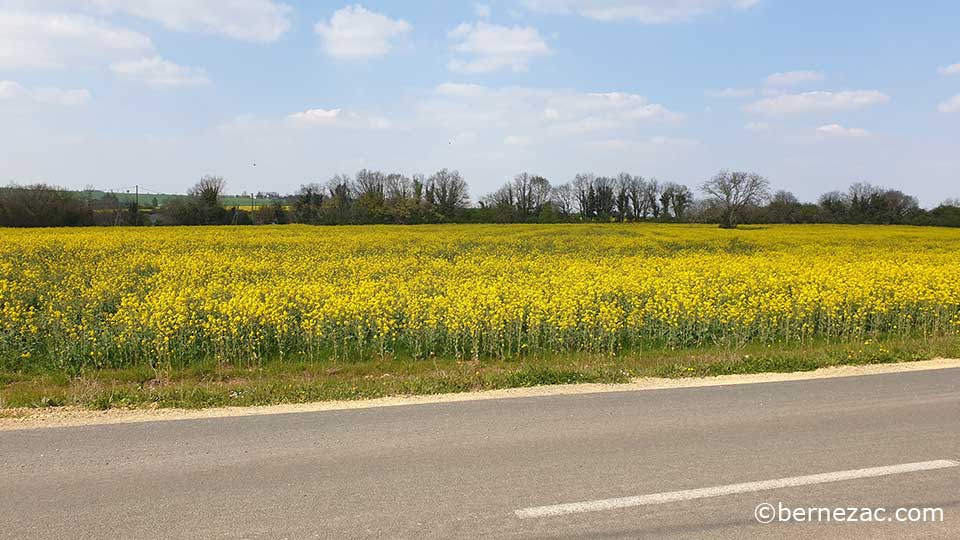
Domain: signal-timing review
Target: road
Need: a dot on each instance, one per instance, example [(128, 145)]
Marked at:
[(475, 469)]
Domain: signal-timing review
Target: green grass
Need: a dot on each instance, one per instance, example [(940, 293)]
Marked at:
[(213, 385)]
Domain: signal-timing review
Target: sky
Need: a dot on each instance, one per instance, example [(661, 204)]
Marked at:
[(813, 94)]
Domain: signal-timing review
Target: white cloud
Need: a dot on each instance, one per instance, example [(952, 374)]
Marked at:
[(355, 33), (836, 130), (57, 40), (607, 145), (489, 47), (379, 122), (262, 21), (10, 90), (629, 106), (953, 69), (482, 10), (516, 140), (62, 97), (16, 97), (160, 73), (758, 127), (661, 140), (644, 11), (461, 90), (314, 117), (246, 125), (817, 102), (659, 145), (321, 129), (538, 114), (794, 78), (466, 138), (950, 106), (733, 93), (317, 118)]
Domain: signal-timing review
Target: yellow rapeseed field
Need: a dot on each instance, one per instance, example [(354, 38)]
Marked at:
[(89, 298)]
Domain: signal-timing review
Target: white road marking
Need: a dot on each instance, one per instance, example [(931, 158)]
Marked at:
[(732, 489)]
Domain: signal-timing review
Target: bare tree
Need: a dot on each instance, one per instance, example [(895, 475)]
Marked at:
[(734, 191), (624, 185), (503, 198), (539, 193), (784, 198), (448, 191), (308, 203), (341, 186), (564, 199), (398, 188), (338, 204), (638, 202), (522, 192), (369, 183), (681, 199), (583, 188), (370, 204), (835, 205), (522, 198), (651, 192), (209, 190), (604, 196), (205, 205), (666, 196), (418, 186), (860, 199)]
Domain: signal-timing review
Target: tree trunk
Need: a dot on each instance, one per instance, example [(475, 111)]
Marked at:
[(728, 220)]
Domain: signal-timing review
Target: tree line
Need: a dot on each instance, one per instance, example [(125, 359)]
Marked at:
[(373, 197)]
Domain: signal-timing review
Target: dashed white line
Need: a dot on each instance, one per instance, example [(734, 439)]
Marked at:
[(731, 489)]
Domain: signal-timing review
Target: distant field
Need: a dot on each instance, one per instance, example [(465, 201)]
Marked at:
[(148, 200), (80, 301)]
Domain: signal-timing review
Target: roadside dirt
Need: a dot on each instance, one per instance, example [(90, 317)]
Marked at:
[(13, 419)]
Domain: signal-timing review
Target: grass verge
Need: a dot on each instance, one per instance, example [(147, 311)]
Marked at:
[(214, 385)]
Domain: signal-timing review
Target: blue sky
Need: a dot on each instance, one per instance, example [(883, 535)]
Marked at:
[(814, 94)]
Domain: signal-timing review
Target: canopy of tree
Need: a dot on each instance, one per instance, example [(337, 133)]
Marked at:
[(730, 198)]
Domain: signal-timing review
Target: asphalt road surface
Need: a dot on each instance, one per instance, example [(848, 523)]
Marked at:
[(696, 461)]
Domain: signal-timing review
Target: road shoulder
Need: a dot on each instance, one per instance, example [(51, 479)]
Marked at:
[(17, 419)]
